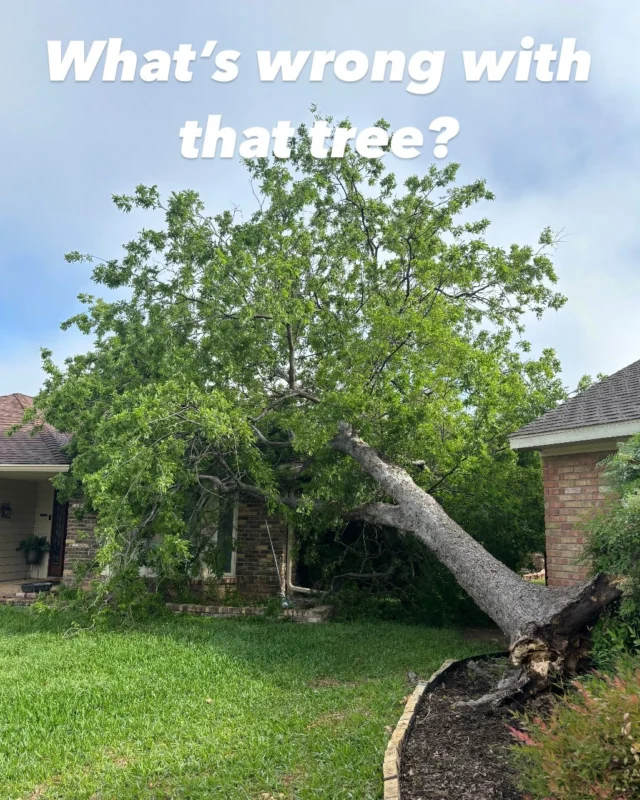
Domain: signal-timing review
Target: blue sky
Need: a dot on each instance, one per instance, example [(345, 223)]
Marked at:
[(564, 155)]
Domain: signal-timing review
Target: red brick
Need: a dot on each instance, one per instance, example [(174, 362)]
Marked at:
[(572, 492), (256, 575)]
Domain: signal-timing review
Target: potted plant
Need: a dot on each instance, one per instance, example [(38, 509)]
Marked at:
[(34, 547)]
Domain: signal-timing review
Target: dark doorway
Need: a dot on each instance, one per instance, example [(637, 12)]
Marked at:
[(58, 537)]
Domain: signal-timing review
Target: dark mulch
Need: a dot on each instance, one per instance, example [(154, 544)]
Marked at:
[(460, 753)]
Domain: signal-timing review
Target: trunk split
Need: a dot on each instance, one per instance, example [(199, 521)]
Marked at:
[(545, 626)]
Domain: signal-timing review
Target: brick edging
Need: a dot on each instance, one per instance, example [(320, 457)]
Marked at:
[(392, 764), (312, 615), (16, 601), (309, 615), (216, 611)]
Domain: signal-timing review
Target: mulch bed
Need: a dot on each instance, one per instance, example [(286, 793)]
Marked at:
[(461, 753)]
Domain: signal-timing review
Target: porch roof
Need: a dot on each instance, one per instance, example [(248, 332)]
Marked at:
[(28, 452)]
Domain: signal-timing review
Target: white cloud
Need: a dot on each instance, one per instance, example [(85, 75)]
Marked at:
[(597, 265)]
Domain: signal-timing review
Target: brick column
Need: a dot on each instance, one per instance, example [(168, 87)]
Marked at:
[(572, 491), (82, 545), (255, 566)]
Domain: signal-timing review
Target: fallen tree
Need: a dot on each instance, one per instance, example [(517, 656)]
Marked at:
[(546, 626), (237, 347)]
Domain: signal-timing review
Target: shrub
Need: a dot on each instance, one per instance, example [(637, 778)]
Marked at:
[(614, 548), (588, 748), (126, 598), (615, 636)]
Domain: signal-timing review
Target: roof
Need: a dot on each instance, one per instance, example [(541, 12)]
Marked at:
[(611, 405), (25, 448)]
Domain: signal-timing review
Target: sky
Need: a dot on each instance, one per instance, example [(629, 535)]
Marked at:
[(564, 155)]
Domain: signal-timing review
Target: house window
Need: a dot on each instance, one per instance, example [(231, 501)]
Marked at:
[(219, 524), (226, 537)]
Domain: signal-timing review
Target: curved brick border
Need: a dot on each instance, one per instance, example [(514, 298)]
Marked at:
[(392, 764)]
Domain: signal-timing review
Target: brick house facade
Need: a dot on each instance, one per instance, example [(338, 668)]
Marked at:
[(260, 540), (258, 565), (573, 439), (572, 490), (81, 544), (256, 572)]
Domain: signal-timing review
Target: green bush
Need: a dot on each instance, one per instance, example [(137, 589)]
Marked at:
[(614, 548), (124, 598), (615, 636), (588, 748)]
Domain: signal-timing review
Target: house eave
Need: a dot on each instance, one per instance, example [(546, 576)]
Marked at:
[(34, 468), (32, 472), (588, 433)]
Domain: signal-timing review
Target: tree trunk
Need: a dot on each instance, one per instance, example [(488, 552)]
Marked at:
[(545, 626)]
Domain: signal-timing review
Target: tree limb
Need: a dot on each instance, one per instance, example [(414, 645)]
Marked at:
[(292, 358), (381, 514), (279, 400), (267, 442)]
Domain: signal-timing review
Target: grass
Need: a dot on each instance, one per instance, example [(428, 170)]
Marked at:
[(202, 708)]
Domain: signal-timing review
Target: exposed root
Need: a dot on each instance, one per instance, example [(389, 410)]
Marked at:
[(516, 686), (552, 648), (556, 656)]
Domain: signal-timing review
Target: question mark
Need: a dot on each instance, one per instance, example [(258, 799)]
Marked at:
[(450, 128)]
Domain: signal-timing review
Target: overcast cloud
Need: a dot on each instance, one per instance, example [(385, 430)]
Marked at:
[(564, 155)]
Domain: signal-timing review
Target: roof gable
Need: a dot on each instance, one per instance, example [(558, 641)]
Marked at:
[(616, 399), (24, 448)]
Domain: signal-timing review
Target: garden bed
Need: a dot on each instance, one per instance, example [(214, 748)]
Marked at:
[(445, 750)]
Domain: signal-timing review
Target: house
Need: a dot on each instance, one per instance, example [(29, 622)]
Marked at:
[(573, 439), (28, 503)]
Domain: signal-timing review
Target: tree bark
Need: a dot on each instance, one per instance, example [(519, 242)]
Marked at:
[(545, 626)]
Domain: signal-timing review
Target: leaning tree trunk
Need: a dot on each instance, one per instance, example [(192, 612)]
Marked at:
[(545, 625)]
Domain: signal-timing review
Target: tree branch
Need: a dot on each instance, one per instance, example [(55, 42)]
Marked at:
[(267, 442), (381, 514), (292, 358)]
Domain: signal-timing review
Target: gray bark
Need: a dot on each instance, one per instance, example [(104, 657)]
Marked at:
[(544, 625)]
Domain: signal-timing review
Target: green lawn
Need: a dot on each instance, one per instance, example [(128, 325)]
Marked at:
[(203, 708)]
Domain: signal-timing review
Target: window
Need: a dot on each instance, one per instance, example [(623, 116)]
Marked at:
[(226, 537), (219, 528)]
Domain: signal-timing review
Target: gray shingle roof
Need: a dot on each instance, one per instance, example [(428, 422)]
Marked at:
[(23, 448), (615, 399)]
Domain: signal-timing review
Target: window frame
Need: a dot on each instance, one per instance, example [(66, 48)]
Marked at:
[(234, 539), (205, 572)]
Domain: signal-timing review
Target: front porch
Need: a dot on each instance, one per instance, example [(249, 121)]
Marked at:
[(30, 509), (10, 589)]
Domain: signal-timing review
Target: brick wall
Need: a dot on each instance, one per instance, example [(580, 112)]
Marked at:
[(572, 490), (81, 546), (255, 566), (256, 575)]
